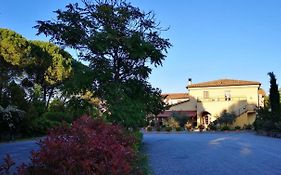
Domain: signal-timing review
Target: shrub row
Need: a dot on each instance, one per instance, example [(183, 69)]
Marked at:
[(87, 147)]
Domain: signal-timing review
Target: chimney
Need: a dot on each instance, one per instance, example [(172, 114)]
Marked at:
[(189, 81)]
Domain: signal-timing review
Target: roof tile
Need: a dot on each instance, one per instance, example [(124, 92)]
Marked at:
[(176, 95), (224, 82)]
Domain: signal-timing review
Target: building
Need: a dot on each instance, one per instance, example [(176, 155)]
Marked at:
[(205, 101), (174, 98)]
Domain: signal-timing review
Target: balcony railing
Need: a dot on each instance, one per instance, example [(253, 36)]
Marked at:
[(221, 99)]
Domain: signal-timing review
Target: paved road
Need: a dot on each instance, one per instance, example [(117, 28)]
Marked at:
[(213, 153), (20, 151)]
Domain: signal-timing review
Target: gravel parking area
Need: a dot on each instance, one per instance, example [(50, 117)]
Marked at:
[(213, 153)]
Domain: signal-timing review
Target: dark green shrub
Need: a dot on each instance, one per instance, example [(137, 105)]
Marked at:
[(212, 127), (158, 129), (268, 125), (41, 125), (148, 128), (138, 139), (179, 129), (78, 107), (56, 106), (248, 127), (152, 123), (168, 128), (181, 119), (278, 126), (226, 118), (225, 128), (237, 128), (57, 116)]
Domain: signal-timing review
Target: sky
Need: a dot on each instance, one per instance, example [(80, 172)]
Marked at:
[(212, 39)]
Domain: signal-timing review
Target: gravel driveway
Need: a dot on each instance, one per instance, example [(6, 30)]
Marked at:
[(213, 153)]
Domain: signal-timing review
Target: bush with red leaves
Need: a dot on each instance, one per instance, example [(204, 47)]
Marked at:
[(87, 147)]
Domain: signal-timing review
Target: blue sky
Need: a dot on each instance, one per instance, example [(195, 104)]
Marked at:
[(212, 39)]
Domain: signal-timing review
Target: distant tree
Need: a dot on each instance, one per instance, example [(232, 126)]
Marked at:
[(274, 97), (120, 42)]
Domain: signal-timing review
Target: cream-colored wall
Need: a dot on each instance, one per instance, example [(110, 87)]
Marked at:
[(245, 119), (241, 98), (250, 93)]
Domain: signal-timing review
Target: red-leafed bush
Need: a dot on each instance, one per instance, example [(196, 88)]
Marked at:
[(87, 147)]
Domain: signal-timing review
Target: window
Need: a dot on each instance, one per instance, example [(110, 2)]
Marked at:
[(205, 94), (227, 95)]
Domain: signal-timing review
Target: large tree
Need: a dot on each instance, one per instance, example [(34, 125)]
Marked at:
[(49, 67), (274, 97), (121, 43), (14, 56)]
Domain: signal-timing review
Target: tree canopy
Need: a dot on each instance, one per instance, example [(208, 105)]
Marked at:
[(121, 43), (35, 73)]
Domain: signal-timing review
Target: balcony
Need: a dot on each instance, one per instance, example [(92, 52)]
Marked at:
[(221, 99)]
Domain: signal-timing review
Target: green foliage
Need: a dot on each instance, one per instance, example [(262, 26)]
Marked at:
[(179, 129), (248, 126), (57, 106), (226, 118), (57, 117), (268, 125), (188, 126), (41, 125), (237, 127), (50, 64), (168, 128), (274, 97), (77, 107), (148, 128), (171, 122), (120, 42), (10, 117), (79, 81), (14, 56), (158, 128), (212, 126), (14, 49), (181, 119), (152, 123), (225, 128), (278, 126)]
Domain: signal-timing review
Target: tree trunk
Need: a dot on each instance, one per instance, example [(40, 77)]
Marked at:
[(50, 96)]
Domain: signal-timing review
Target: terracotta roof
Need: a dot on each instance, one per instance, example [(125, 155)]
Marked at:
[(262, 92), (224, 82), (176, 96)]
